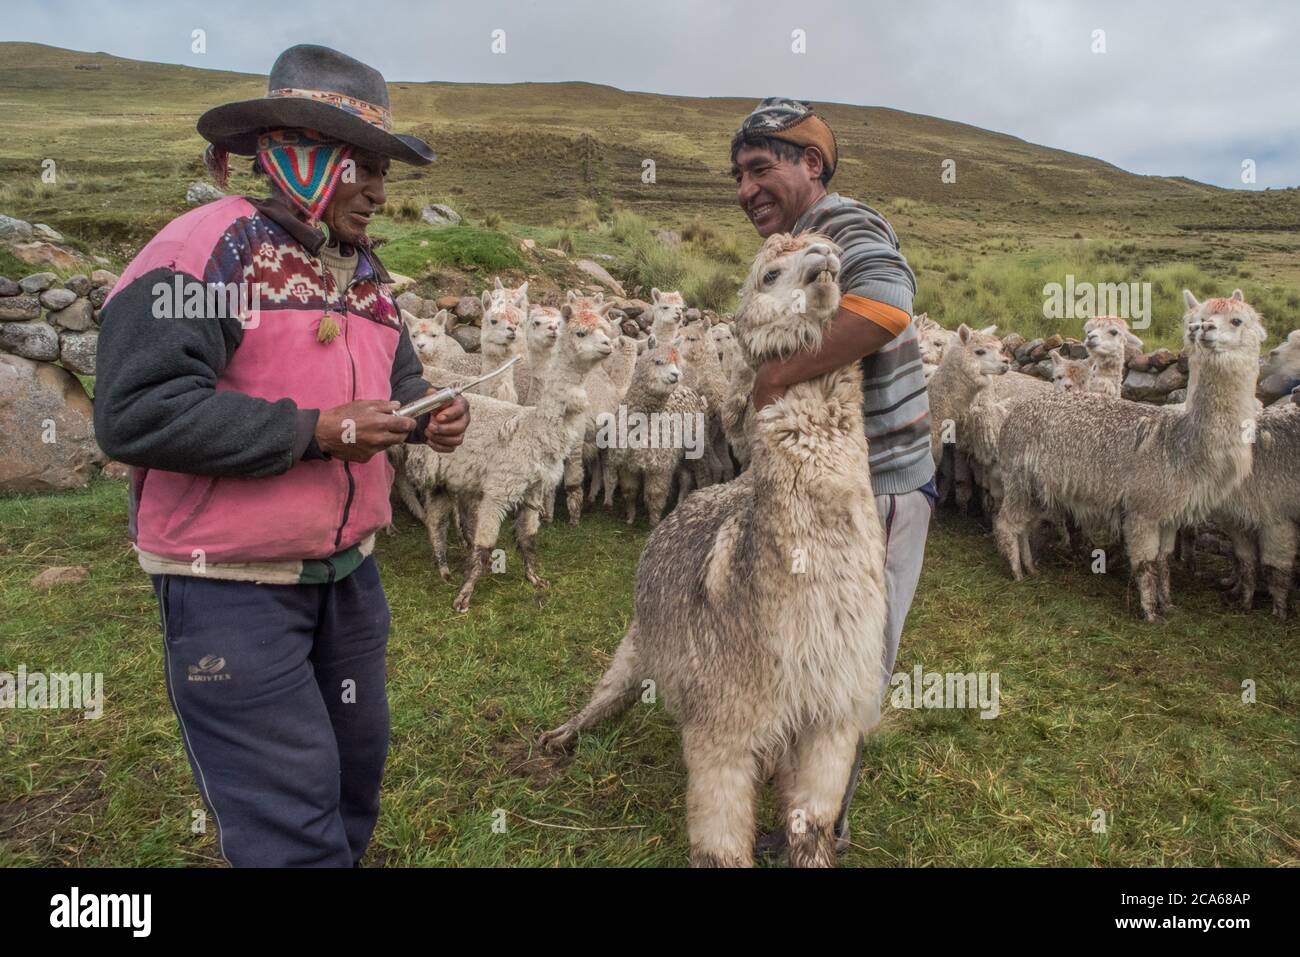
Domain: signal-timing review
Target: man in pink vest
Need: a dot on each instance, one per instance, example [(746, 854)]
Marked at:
[(251, 359)]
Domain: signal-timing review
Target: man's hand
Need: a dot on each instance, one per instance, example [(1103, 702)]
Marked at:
[(355, 431), (447, 426), (767, 388)]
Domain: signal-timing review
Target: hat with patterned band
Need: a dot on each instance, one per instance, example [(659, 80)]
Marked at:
[(316, 88)]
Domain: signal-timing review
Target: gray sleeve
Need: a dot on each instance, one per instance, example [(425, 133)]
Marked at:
[(871, 264), (156, 402)]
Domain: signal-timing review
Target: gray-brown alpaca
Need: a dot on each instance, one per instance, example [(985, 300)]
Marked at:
[(760, 604), (1143, 470)]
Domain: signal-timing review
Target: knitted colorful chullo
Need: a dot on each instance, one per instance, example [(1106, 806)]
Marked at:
[(305, 166), (793, 121)]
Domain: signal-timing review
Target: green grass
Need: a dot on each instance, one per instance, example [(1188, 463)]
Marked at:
[(1098, 711), (415, 251)]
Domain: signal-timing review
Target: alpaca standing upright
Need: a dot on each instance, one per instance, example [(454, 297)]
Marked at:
[(964, 372), (702, 371), (760, 604), (510, 455), (1143, 470), (541, 333), (1109, 341)]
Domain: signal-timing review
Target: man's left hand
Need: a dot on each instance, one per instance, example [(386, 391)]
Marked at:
[(447, 426)]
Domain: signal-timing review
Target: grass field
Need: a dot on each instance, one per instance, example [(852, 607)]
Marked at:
[(1098, 712)]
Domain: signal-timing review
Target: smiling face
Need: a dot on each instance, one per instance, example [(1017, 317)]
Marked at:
[(353, 204), (774, 192)]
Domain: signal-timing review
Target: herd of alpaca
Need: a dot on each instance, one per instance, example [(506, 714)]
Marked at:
[(788, 486), (1073, 453)]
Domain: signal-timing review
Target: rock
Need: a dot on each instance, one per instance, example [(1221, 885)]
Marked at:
[(46, 254), (1022, 354), (103, 277), (634, 307), (527, 245), (8, 287), (1177, 397), (691, 315), (98, 295), (1171, 379), (643, 321), (79, 284), (469, 308), (440, 215), (38, 282), (630, 328), (1053, 342), (1039, 352), (116, 470), (77, 317), (467, 336), (1140, 363), (47, 232), (14, 229), (31, 340), (1183, 363), (1161, 359), (77, 351), (1271, 388), (598, 272), (669, 237), (1076, 350), (59, 575), (200, 194), (1012, 341), (39, 400), (55, 299), (1042, 370), (399, 281), (447, 302), (411, 303), (1140, 386), (19, 308)]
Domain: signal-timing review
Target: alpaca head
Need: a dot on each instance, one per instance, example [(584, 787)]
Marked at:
[(979, 351), (500, 328), (1109, 336), (429, 336), (932, 339), (789, 297), (544, 323), (1223, 326), (666, 311), (1069, 375), (658, 370), (587, 336), (696, 343), (1283, 360), (720, 335), (504, 300)]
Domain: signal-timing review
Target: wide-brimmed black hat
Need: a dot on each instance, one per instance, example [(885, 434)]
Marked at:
[(316, 88)]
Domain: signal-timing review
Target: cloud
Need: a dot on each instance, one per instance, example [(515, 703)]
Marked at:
[(1191, 89)]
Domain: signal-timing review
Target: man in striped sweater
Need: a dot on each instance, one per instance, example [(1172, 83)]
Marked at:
[(782, 157)]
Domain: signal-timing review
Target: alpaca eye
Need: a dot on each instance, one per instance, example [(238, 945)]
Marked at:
[(1236, 322), (979, 352), (582, 335), (770, 276)]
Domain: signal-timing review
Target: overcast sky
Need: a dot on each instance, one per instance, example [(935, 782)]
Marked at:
[(1188, 87)]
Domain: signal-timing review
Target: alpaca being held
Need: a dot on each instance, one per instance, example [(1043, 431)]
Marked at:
[(760, 604), (1143, 470)]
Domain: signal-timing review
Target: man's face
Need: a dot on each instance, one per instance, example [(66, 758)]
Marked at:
[(353, 203), (774, 192)]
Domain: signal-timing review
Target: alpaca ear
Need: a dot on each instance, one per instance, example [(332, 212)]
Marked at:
[(654, 295), (605, 307), (964, 332), (989, 330), (1134, 341), (566, 311), (1088, 326), (521, 294), (497, 281), (410, 319), (1237, 295), (1293, 336), (1056, 357), (573, 294), (486, 298), (1190, 299), (652, 342)]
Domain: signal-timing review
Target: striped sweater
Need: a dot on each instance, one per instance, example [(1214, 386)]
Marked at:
[(878, 285)]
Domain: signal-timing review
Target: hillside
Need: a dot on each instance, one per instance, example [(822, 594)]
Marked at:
[(528, 155)]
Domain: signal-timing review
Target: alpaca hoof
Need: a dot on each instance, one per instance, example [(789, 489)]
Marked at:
[(558, 740), (444, 573), (539, 582), (461, 604), (573, 520)]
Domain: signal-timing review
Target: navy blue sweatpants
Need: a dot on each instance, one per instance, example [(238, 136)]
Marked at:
[(279, 692)]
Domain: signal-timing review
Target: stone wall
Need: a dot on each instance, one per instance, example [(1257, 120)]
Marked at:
[(1159, 377), (46, 320)]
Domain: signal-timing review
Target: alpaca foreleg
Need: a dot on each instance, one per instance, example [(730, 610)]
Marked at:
[(487, 526), (721, 793), (1277, 546), (823, 761), (616, 690), (1142, 541)]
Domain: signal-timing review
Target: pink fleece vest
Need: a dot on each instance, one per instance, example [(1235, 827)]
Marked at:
[(316, 508)]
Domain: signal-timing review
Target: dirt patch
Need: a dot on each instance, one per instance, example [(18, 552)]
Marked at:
[(523, 759), (54, 818)]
